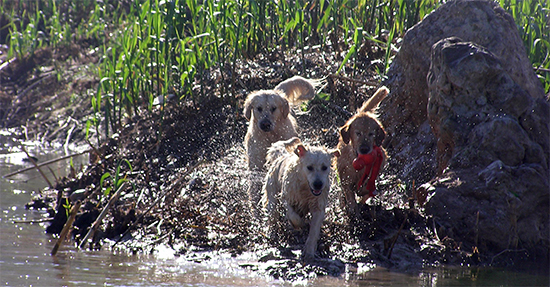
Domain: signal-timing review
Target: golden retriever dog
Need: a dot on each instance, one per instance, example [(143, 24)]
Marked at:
[(358, 136), (297, 183), (268, 113)]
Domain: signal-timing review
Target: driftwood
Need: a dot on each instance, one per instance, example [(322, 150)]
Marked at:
[(36, 166), (67, 227), (32, 221), (45, 163), (97, 222)]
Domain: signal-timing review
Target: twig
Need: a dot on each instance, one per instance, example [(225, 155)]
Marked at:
[(188, 171), (69, 134), (53, 174), (97, 222), (5, 64), (66, 228), (93, 148), (504, 251), (45, 163), (33, 85), (34, 220), (397, 235), (367, 83), (36, 166), (477, 229)]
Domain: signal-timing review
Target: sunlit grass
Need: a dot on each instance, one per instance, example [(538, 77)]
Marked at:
[(533, 22), (153, 48)]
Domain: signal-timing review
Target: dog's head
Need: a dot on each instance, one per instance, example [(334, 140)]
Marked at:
[(315, 164), (363, 131), (265, 108)]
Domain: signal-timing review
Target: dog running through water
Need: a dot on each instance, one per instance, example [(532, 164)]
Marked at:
[(297, 183)]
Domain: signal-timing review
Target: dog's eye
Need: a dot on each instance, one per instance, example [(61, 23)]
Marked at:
[(273, 109), (371, 134), (260, 109), (309, 167), (324, 168), (358, 134)]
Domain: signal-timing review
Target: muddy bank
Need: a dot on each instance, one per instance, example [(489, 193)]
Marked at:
[(205, 208)]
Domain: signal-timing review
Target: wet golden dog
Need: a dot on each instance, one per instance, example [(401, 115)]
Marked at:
[(358, 136), (298, 183), (268, 113)]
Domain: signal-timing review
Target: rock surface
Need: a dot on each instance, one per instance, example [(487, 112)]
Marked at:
[(404, 110), (496, 191), (463, 74)]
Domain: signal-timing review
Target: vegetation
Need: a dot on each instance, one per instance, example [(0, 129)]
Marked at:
[(151, 49)]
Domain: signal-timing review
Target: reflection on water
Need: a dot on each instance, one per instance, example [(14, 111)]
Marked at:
[(25, 253)]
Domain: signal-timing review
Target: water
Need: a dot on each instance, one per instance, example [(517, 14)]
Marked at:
[(25, 258)]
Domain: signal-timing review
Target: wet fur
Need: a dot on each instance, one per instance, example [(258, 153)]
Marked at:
[(296, 174), (358, 136), (268, 113)]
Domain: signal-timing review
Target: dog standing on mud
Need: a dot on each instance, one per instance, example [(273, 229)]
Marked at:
[(298, 179), (358, 136), (268, 113)]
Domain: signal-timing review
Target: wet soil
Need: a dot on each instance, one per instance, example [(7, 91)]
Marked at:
[(188, 179)]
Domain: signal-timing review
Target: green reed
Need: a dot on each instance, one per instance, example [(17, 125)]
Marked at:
[(151, 49), (533, 22)]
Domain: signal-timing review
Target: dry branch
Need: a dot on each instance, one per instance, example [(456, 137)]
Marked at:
[(45, 163), (36, 166), (66, 228), (97, 222)]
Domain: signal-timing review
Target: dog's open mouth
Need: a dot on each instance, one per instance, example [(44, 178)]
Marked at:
[(316, 192)]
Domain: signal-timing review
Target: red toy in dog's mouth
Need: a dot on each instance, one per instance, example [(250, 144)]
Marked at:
[(372, 163)]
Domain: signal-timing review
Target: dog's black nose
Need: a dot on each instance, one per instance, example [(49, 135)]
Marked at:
[(317, 185), (265, 125), (364, 149)]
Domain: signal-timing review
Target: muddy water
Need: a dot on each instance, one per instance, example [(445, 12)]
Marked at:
[(25, 252)]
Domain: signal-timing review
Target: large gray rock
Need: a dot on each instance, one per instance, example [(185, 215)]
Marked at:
[(493, 191), (404, 110), (478, 113), (476, 129)]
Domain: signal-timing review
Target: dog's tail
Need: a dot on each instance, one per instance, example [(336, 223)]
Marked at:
[(298, 89), (371, 104)]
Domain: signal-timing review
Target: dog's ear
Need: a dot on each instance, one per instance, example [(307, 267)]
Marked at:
[(285, 108), (248, 108), (290, 144), (300, 150), (335, 152), (344, 133), (379, 136)]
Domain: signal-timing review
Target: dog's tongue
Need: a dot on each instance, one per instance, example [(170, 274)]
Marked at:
[(316, 192)]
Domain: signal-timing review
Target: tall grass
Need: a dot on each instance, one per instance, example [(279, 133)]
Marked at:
[(152, 48), (533, 21)]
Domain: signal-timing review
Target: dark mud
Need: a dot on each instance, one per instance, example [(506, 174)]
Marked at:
[(188, 178)]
